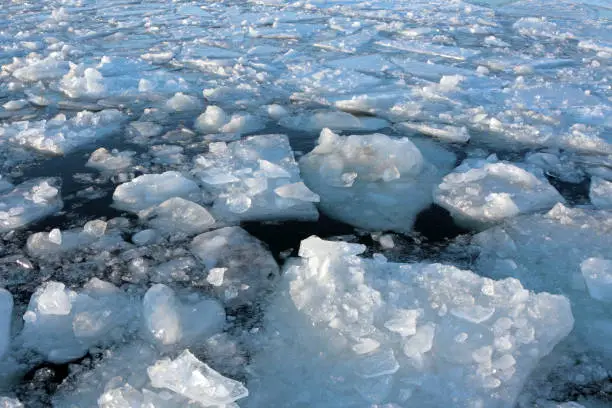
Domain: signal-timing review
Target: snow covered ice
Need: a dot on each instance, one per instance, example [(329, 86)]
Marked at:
[(162, 162)]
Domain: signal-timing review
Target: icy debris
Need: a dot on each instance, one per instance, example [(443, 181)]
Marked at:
[(600, 193), (364, 331), (29, 202), (480, 193), (61, 324), (144, 129), (189, 377), (149, 190), (245, 178), (6, 317), (597, 274), (249, 268), (215, 120), (374, 181), (557, 252), (177, 215), (113, 161), (61, 135), (315, 122), (6, 402), (447, 133)]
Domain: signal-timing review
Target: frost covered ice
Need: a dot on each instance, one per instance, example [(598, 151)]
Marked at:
[(28, 202), (374, 181), (350, 331), (480, 193), (255, 179)]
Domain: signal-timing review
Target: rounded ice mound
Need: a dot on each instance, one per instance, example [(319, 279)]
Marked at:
[(565, 251), (110, 161), (179, 215), (152, 189), (28, 202), (373, 181), (480, 193), (364, 331)]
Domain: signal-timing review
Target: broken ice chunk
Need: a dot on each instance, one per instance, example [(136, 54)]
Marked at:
[(374, 181), (29, 202), (440, 361), (151, 189), (480, 193), (113, 161), (247, 267), (215, 120), (162, 315), (189, 377), (444, 132), (245, 176), (597, 274), (297, 191), (600, 193), (179, 215), (183, 103)]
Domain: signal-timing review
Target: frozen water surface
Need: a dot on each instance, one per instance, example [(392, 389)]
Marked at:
[(161, 163)]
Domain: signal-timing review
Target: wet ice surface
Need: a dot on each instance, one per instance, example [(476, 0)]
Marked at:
[(161, 164)]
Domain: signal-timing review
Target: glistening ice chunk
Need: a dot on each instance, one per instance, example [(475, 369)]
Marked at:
[(373, 181), (162, 315), (28, 202), (189, 377), (151, 189), (364, 331), (480, 193)]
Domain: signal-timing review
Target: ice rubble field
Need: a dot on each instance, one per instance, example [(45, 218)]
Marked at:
[(306, 204)]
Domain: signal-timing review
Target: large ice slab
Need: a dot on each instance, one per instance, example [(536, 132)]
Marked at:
[(239, 267), (250, 180), (149, 190), (29, 202), (351, 331), (564, 251), (374, 181), (480, 193)]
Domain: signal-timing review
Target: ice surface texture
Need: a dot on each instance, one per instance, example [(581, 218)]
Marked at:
[(349, 331)]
